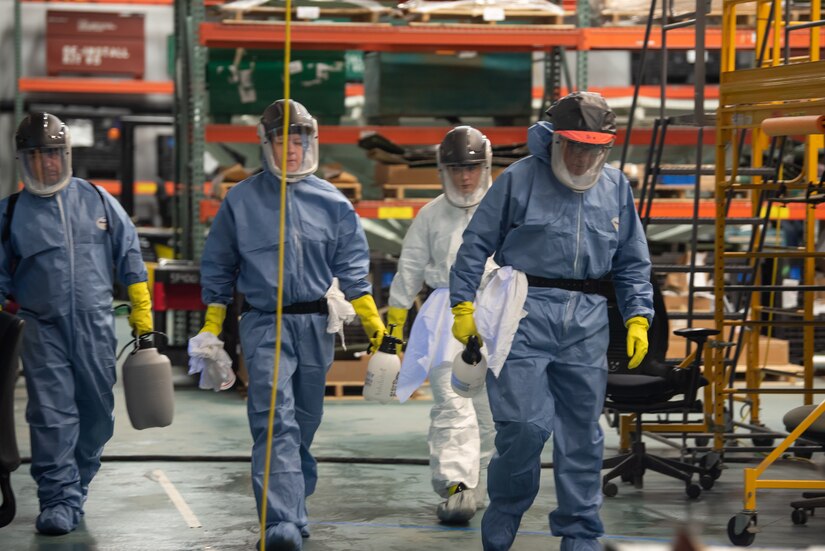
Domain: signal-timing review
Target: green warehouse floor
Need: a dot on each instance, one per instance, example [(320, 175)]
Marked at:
[(187, 487)]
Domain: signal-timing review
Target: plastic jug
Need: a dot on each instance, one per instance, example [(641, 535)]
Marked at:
[(147, 384)]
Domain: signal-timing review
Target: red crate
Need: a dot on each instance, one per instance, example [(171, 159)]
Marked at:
[(94, 43)]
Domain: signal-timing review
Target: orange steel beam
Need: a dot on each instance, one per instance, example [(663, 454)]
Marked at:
[(144, 187), (674, 91), (378, 37), (423, 135), (661, 208), (69, 2), (487, 38), (95, 85)]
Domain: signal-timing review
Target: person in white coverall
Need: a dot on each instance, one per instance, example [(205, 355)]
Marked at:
[(461, 435)]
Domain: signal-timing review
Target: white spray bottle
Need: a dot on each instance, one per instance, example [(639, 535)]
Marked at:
[(469, 370), (382, 371)]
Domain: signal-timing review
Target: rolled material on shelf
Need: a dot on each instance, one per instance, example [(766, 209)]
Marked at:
[(793, 126)]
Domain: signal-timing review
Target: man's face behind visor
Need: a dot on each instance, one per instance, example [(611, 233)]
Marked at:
[(576, 164), (580, 157)]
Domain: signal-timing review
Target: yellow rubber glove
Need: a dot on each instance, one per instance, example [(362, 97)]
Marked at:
[(464, 326), (140, 320), (370, 319), (636, 340), (397, 317), (213, 320)]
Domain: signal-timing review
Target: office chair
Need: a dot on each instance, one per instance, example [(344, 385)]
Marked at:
[(651, 388), (11, 332), (802, 508)]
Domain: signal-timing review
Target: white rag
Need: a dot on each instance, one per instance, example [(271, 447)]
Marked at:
[(431, 343), (499, 308), (340, 311), (208, 357)]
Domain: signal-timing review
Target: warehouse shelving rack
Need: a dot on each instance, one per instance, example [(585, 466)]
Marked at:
[(780, 86), (485, 38)]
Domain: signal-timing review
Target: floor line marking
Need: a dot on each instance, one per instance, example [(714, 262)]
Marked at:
[(176, 498), (437, 528)]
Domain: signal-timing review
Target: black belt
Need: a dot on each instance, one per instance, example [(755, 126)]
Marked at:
[(602, 287), (312, 307)]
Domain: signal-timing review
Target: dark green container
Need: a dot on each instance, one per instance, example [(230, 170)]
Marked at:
[(430, 85), (318, 80)]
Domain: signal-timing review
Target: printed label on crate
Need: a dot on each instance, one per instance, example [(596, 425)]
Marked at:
[(91, 56)]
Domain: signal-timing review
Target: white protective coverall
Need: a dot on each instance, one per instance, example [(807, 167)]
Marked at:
[(461, 435)]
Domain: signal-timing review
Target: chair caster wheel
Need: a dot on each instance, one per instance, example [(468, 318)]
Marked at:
[(706, 481), (799, 516), (693, 490), (610, 489)]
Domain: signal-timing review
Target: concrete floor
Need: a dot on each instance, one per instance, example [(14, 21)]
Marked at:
[(187, 487)]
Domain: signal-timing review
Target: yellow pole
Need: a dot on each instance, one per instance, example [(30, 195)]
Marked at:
[(280, 293)]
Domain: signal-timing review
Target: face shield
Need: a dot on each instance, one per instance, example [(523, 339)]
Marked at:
[(301, 139), (465, 165), (45, 170), (578, 164), (465, 184), (44, 153)]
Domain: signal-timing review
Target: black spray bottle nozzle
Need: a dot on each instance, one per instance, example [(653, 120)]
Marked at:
[(389, 344), (472, 352)]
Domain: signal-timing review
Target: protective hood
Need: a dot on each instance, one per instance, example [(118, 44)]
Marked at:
[(584, 130), (465, 166), (301, 140), (549, 146), (44, 154)]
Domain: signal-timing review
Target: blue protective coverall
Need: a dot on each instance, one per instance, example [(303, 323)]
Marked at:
[(324, 239), (553, 381), (58, 264)]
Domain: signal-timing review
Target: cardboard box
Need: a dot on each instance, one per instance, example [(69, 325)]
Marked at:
[(94, 43), (348, 371), (403, 174), (777, 352), (406, 175), (679, 303)]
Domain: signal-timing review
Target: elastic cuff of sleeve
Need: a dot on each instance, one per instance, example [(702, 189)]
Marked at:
[(638, 320)]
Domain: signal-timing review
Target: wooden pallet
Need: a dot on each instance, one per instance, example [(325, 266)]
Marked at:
[(344, 390), (744, 17), (352, 190), (402, 191), (476, 15), (238, 11), (354, 390)]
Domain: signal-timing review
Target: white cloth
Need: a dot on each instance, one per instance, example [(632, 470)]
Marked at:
[(340, 311), (431, 343), (499, 308), (208, 357)]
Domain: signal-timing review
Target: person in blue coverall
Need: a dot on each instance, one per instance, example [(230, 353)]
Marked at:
[(63, 238), (324, 240), (565, 220)]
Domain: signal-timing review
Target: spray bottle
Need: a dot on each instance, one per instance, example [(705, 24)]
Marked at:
[(382, 371), (469, 370)]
